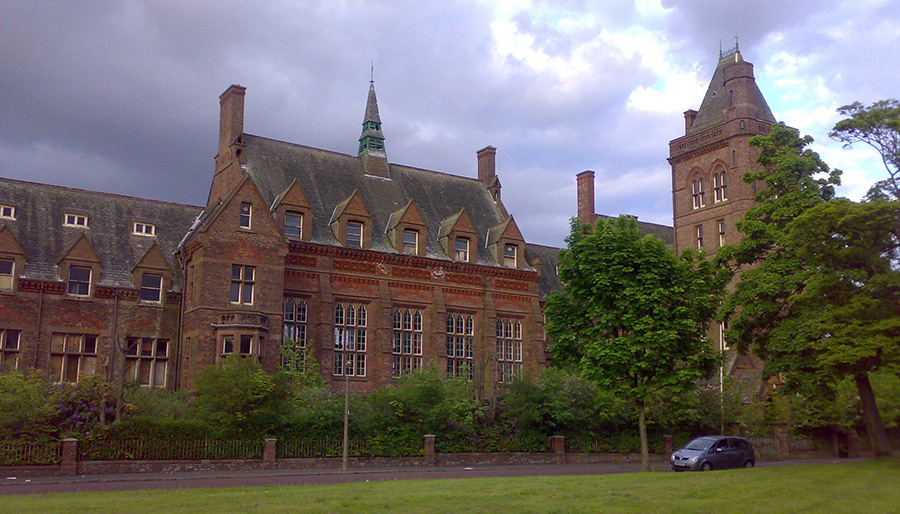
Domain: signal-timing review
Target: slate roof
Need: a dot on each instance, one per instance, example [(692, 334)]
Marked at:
[(715, 102), (549, 257), (40, 212), (329, 178)]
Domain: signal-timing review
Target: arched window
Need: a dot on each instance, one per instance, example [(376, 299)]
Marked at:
[(349, 340), (697, 194), (720, 189), (407, 341)]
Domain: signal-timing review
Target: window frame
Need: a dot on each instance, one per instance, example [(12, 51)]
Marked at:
[(7, 352), (406, 341), (75, 220), (698, 194), (347, 234), (245, 216), (61, 359), (242, 285), (350, 339), (144, 229), (87, 285), (298, 227), (136, 358), (409, 247), (720, 226), (146, 287), (294, 329), (509, 348), (11, 276), (698, 232), (510, 261), (457, 252), (7, 212), (460, 341)]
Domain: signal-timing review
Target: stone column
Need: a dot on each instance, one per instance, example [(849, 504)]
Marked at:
[(558, 445), (430, 453), (782, 448), (269, 455), (69, 465), (669, 447), (735, 427)]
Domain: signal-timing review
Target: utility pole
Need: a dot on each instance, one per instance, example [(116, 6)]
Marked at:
[(346, 415)]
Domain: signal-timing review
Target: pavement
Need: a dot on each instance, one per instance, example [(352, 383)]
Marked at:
[(249, 478)]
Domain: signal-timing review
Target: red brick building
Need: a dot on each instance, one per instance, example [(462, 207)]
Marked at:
[(378, 268)]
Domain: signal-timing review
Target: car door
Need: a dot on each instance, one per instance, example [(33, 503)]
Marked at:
[(719, 454)]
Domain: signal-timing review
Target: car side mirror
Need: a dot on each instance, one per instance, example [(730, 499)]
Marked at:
[(719, 449)]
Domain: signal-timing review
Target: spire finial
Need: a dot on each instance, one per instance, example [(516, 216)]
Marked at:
[(372, 75), (737, 47), (720, 49)]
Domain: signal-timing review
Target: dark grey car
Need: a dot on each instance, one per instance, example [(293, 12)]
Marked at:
[(713, 452)]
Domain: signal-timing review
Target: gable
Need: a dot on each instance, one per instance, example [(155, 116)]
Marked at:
[(82, 251)]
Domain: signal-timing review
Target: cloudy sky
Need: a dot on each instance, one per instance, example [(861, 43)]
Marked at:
[(122, 96)]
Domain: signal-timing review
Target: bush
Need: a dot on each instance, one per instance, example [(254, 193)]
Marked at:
[(29, 409), (237, 399)]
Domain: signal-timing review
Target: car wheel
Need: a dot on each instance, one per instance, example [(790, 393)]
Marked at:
[(749, 464), (706, 467)]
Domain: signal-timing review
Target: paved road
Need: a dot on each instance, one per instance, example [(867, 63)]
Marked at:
[(189, 480)]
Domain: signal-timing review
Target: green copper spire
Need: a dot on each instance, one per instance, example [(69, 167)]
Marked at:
[(371, 142)]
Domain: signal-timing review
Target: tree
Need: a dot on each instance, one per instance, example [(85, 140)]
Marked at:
[(878, 126), (631, 315), (850, 300), (812, 303)]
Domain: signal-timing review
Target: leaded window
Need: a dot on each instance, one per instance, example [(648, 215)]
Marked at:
[(407, 341), (460, 338), (72, 356), (349, 340), (509, 349), (147, 361)]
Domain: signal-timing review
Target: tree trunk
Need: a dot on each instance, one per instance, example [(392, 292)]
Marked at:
[(642, 429), (874, 426)]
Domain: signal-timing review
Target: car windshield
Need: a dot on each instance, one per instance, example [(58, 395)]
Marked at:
[(699, 444)]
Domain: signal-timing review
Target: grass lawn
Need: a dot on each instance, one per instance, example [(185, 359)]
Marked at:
[(872, 486)]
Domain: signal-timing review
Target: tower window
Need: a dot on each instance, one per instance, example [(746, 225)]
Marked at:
[(697, 194), (699, 231), (721, 226), (720, 190)]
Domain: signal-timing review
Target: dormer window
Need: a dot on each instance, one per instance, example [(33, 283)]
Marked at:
[(246, 211), (79, 283), (151, 288), (461, 249), (144, 229), (7, 274), (293, 225), (411, 242), (510, 252), (354, 234), (76, 220), (8, 212)]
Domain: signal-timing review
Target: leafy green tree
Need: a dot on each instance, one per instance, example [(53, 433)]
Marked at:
[(300, 365), (877, 125), (631, 315), (850, 300), (239, 399)]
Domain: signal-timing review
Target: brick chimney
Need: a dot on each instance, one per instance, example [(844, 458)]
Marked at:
[(487, 170), (231, 128), (586, 197), (689, 116)]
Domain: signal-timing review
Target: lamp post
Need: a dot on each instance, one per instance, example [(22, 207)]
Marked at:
[(347, 370)]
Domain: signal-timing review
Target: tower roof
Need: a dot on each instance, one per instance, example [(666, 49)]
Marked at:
[(371, 141), (717, 102)]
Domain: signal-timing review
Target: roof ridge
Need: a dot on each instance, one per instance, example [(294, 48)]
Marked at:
[(101, 193)]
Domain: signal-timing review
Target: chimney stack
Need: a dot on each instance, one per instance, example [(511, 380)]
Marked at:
[(231, 121), (586, 197), (689, 116), (487, 170)]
